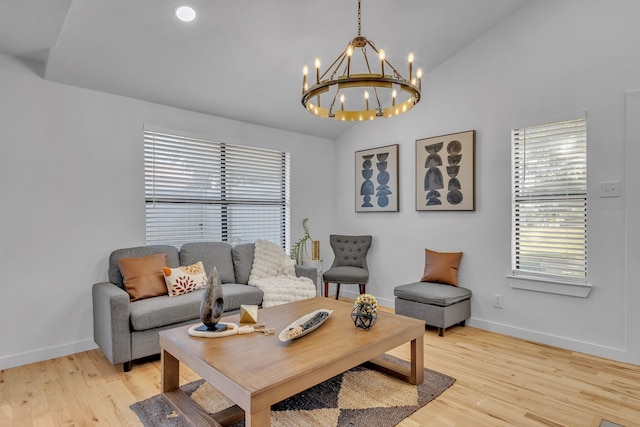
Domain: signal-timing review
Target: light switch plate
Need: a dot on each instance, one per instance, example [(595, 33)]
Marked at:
[(610, 189)]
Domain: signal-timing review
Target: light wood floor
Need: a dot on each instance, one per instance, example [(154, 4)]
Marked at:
[(500, 381)]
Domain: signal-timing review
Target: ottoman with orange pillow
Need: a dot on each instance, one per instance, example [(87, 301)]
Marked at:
[(436, 298)]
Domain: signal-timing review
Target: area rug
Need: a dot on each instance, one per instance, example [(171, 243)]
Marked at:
[(358, 397)]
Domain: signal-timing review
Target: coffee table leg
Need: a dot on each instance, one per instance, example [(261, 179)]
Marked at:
[(417, 361), (170, 372), (414, 374), (260, 418)]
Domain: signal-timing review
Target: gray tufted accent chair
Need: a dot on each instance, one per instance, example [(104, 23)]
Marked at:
[(350, 262)]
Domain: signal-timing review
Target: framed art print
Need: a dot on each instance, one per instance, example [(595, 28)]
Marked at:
[(376, 172), (445, 172)]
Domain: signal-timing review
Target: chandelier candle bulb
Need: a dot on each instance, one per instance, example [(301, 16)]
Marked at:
[(342, 101), (410, 65), (382, 56), (366, 99), (349, 54), (305, 71), (393, 97), (419, 76), (318, 70)]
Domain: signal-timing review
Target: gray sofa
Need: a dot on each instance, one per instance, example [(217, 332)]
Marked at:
[(127, 330)]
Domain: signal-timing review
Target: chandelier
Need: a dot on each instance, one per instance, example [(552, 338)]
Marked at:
[(362, 95)]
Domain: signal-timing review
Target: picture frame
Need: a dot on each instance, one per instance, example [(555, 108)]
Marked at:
[(445, 172), (376, 179)]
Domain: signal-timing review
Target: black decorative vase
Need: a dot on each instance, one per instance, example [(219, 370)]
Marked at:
[(364, 315), (212, 304)]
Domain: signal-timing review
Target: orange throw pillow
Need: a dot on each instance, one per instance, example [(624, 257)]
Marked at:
[(143, 276), (441, 267)]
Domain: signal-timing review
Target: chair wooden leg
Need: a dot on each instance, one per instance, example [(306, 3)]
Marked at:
[(326, 289), (337, 290), (363, 289)]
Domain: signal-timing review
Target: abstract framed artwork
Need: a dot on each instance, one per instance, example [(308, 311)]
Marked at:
[(376, 173), (445, 172)]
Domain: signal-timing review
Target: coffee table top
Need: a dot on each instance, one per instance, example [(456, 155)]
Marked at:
[(257, 362)]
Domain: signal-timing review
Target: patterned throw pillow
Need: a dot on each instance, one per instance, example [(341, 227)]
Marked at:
[(186, 279)]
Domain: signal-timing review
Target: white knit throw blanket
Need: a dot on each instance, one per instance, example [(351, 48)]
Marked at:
[(274, 273)]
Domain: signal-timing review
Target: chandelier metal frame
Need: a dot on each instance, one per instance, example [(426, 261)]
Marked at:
[(338, 79)]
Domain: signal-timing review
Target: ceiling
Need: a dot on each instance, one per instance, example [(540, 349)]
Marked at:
[(238, 59)]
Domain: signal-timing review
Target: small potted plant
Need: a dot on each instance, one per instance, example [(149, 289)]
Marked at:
[(299, 250)]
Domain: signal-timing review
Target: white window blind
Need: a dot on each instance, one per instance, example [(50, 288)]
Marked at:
[(198, 190), (549, 197)]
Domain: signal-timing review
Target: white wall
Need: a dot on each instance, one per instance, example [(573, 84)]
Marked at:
[(550, 58), (632, 173), (71, 188), (71, 183)]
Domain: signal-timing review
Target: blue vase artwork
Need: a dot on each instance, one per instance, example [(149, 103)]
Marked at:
[(454, 149), (433, 180), (383, 177), (376, 179), (366, 189)]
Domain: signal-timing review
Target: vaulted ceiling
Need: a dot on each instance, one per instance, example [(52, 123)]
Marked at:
[(238, 59)]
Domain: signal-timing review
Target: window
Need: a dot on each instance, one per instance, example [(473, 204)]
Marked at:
[(549, 201), (198, 190)]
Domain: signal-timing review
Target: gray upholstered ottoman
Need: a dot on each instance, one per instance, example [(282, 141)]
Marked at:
[(437, 304)]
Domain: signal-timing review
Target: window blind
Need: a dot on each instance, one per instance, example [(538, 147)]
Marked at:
[(549, 196), (199, 190)]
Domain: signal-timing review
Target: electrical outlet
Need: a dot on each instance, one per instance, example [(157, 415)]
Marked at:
[(498, 301)]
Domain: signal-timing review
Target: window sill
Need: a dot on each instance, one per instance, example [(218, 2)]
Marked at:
[(537, 284)]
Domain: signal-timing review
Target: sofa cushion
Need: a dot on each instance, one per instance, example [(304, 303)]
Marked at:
[(143, 276), (115, 276), (235, 295), (185, 279), (432, 293), (212, 254), (441, 267), (243, 261), (162, 311)]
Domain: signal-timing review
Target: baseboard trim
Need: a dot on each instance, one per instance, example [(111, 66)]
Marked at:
[(15, 360), (12, 361), (611, 353), (383, 302)]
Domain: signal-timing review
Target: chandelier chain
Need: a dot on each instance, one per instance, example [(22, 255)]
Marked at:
[(359, 18)]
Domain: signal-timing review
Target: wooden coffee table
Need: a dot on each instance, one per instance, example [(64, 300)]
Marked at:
[(256, 371)]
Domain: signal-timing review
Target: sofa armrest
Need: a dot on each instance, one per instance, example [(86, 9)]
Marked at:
[(111, 330), (307, 271)]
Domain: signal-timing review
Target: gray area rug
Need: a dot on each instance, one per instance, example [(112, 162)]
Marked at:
[(358, 397)]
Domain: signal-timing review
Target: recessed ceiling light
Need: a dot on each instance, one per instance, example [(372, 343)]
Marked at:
[(185, 13)]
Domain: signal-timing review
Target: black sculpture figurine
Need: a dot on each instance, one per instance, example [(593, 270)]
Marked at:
[(212, 305)]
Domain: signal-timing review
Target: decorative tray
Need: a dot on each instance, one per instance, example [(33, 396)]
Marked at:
[(304, 325)]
